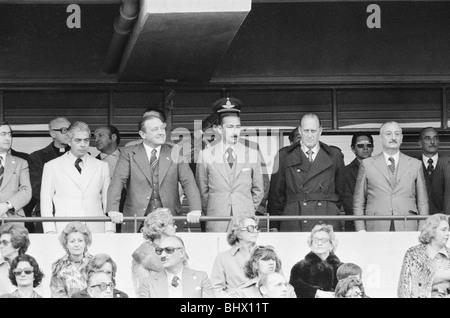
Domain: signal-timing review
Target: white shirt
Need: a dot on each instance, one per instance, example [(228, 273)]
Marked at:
[(175, 292), (149, 149), (425, 160), (315, 150), (73, 159), (396, 157), (3, 156)]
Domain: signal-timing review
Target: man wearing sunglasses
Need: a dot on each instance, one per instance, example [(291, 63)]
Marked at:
[(390, 183), (362, 147), (59, 146), (176, 280)]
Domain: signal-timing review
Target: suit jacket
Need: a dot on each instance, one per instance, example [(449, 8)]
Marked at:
[(440, 194), (221, 191), (298, 187), (434, 182), (74, 194), (376, 195), (196, 284), (346, 188), (15, 186), (133, 170)]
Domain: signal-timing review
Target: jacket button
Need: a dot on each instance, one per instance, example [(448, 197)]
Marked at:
[(304, 203), (319, 203), (298, 170)]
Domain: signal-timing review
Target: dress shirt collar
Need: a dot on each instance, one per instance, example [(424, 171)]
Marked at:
[(396, 157), (315, 150), (432, 252), (149, 149), (73, 158), (425, 160)]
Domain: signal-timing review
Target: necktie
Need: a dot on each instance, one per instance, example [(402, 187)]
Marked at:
[(2, 170), (153, 160), (174, 282), (430, 168), (230, 158), (310, 153), (77, 164), (392, 165)]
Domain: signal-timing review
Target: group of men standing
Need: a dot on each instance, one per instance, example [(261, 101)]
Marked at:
[(309, 176)]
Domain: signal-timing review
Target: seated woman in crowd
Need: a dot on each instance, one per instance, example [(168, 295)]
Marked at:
[(69, 273), (105, 264), (158, 225), (425, 270), (26, 275), (315, 275), (228, 269), (263, 260), (14, 241), (350, 287), (350, 270)]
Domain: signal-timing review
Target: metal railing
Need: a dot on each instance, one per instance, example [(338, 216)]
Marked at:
[(267, 217)]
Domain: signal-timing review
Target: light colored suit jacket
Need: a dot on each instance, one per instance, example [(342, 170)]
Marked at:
[(133, 170), (222, 192), (74, 194), (196, 284), (16, 187), (376, 195)]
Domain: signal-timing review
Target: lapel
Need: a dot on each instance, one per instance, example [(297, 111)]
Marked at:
[(322, 162), (381, 165), (164, 162), (10, 167), (188, 282), (296, 157), (241, 158), (67, 165), (88, 171), (160, 285), (142, 161), (219, 161), (403, 166)]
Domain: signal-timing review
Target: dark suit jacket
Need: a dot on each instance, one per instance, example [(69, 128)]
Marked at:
[(431, 184), (300, 188), (346, 188), (440, 194), (133, 170)]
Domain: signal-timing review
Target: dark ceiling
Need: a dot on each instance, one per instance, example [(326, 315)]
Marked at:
[(288, 41)]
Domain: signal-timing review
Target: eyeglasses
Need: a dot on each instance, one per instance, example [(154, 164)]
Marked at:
[(251, 228), (26, 270), (104, 286), (168, 250), (5, 242), (62, 130), (322, 240), (361, 146)]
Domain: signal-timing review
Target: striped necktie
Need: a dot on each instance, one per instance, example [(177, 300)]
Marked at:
[(153, 161), (392, 165), (310, 155), (2, 170)]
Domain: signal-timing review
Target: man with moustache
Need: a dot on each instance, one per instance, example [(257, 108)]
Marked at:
[(432, 165), (362, 147), (151, 171), (176, 280), (58, 131), (390, 183), (305, 181), (75, 184)]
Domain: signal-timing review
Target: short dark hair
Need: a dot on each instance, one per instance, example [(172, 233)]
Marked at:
[(157, 110), (19, 236), (38, 274), (5, 123), (347, 270), (424, 130), (112, 131), (292, 134), (141, 123), (359, 134)]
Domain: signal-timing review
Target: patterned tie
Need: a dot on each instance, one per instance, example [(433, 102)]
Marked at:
[(153, 161), (2, 170), (392, 165), (174, 282), (310, 153), (430, 168), (230, 158), (77, 164)]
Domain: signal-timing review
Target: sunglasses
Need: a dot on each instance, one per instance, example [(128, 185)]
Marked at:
[(361, 146), (5, 242), (61, 130), (168, 250), (26, 270), (104, 286), (251, 228)]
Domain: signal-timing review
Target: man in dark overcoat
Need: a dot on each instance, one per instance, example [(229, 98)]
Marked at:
[(305, 181)]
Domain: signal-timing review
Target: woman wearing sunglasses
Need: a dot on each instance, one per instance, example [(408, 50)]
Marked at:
[(69, 273), (25, 274), (315, 275), (228, 269), (263, 260), (158, 225)]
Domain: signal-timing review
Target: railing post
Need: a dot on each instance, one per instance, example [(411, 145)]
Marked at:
[(268, 221), (135, 223)]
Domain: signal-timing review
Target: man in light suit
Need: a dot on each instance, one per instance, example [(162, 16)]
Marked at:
[(390, 183), (176, 280), (229, 174), (15, 188), (151, 171), (75, 184)]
